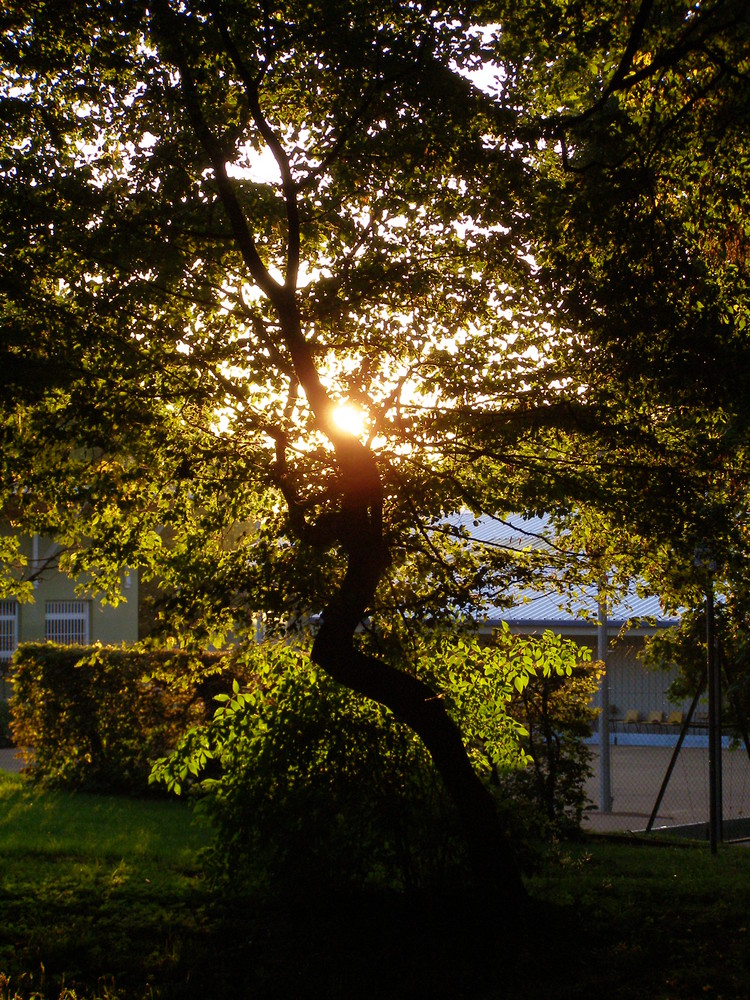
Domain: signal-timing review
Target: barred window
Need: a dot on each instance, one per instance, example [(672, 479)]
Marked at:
[(67, 622), (8, 629)]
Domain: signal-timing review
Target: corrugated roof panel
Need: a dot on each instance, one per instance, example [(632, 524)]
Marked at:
[(533, 606), (513, 532), (549, 607)]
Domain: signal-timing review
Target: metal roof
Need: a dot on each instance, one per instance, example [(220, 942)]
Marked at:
[(511, 532), (550, 608)]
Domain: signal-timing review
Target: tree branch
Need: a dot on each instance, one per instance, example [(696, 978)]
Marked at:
[(288, 184), (170, 32), (636, 34)]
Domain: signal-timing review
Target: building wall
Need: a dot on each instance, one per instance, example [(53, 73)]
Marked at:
[(106, 624), (632, 687)]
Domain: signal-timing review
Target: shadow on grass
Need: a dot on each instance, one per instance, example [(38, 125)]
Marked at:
[(150, 937), (176, 940), (114, 915)]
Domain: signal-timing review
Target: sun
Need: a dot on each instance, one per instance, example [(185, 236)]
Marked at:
[(350, 418)]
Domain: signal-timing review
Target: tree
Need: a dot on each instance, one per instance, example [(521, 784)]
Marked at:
[(179, 330), (646, 254), (640, 241), (160, 285)]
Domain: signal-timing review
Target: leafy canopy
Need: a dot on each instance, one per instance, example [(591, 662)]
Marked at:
[(536, 290)]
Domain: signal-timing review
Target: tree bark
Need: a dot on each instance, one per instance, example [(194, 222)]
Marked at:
[(496, 873)]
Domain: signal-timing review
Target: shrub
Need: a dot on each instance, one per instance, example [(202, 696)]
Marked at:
[(524, 706), (308, 781), (557, 713), (96, 718), (317, 785), (5, 738)]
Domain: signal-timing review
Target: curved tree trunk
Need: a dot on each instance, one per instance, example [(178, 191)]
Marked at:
[(414, 702), (357, 527)]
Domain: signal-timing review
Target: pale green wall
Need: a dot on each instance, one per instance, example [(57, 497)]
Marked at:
[(108, 625)]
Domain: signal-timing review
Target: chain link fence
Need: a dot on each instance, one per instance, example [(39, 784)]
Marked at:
[(636, 777), (645, 727)]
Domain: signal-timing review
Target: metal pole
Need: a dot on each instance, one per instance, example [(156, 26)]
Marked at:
[(605, 783), (675, 754), (714, 724)]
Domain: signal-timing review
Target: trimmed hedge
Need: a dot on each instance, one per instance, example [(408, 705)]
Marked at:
[(5, 740), (96, 718)]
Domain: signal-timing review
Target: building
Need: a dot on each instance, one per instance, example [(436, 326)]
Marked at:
[(636, 694), (61, 610)]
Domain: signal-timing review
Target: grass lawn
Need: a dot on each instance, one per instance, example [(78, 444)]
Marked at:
[(105, 898)]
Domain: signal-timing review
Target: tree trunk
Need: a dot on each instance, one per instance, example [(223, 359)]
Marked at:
[(496, 873)]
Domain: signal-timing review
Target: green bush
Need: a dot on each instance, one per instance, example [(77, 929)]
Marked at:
[(5, 737), (557, 713), (96, 718), (308, 781), (524, 707), (317, 785)]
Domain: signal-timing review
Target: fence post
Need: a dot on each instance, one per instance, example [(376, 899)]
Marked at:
[(715, 832), (605, 782)]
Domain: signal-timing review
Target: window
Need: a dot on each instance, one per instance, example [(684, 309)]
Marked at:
[(8, 629), (67, 622)]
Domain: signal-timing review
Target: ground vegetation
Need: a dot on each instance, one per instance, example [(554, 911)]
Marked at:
[(106, 899)]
